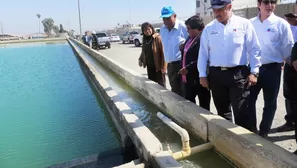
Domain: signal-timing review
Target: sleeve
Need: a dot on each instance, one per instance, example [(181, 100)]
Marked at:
[(160, 46), (253, 49), (185, 31), (287, 40), (203, 55), (294, 53)]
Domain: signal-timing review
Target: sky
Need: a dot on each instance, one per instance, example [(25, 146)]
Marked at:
[(18, 17)]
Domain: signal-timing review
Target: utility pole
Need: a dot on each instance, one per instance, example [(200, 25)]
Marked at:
[(2, 30), (80, 35), (129, 12)]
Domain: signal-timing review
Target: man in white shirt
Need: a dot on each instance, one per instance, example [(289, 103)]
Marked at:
[(276, 41), (173, 33), (289, 74), (228, 44)]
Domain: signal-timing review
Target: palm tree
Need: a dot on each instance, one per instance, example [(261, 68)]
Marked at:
[(38, 16)]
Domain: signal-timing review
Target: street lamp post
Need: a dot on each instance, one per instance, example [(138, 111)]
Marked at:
[(2, 30), (80, 35)]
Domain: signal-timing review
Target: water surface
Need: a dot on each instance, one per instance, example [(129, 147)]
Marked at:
[(49, 113)]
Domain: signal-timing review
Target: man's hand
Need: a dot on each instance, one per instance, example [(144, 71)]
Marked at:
[(140, 63), (204, 82), (251, 80), (183, 71), (294, 64)]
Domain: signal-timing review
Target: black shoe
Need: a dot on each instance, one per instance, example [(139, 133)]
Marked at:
[(263, 135), (295, 152), (286, 127)]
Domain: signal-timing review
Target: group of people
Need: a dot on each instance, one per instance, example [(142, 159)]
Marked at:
[(231, 58), (90, 39)]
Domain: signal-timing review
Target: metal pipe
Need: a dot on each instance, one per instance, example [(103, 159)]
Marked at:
[(182, 132), (80, 31), (186, 149)]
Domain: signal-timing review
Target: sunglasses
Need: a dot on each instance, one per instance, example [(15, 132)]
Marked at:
[(269, 2)]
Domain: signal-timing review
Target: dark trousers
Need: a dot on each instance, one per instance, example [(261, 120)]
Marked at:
[(229, 87), (174, 77), (193, 88), (156, 76), (293, 104), (269, 81), (288, 91)]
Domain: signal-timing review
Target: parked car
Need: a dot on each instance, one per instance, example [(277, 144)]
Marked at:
[(115, 38), (103, 40), (138, 38), (129, 36)]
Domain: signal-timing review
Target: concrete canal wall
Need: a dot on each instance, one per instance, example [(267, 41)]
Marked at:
[(34, 40), (130, 128), (240, 146)]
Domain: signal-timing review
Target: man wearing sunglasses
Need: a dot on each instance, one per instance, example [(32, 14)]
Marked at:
[(227, 45), (276, 41)]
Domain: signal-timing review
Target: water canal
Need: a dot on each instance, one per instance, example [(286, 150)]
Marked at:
[(49, 113), (146, 112)]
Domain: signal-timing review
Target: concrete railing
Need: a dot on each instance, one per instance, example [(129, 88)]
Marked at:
[(240, 146), (129, 126)]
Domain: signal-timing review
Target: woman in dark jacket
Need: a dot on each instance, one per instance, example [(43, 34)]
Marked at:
[(189, 73), (152, 55)]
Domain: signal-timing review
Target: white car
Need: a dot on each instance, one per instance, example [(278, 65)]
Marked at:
[(138, 38), (115, 38)]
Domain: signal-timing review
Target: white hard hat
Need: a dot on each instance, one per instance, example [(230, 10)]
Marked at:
[(94, 32)]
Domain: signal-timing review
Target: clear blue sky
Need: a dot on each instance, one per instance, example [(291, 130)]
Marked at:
[(19, 16)]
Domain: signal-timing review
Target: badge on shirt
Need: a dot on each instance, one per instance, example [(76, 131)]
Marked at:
[(214, 32), (270, 30)]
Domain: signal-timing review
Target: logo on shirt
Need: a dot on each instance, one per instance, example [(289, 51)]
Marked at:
[(214, 32), (270, 30)]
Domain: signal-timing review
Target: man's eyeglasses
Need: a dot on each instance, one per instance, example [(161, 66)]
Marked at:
[(268, 2)]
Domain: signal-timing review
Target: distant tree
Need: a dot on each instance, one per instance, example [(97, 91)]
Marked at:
[(62, 29), (48, 24), (56, 29)]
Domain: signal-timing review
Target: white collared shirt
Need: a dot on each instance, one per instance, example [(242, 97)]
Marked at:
[(172, 39), (294, 32), (229, 45), (275, 38)]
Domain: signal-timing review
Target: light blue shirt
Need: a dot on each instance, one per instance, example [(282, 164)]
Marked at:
[(172, 39), (229, 45), (275, 37)]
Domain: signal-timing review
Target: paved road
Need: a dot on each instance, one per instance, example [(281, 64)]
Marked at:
[(127, 55)]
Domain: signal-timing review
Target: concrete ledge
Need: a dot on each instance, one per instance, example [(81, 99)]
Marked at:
[(146, 143), (132, 164), (77, 162), (237, 144), (33, 40), (246, 149)]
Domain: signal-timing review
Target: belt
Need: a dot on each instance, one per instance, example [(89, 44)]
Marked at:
[(174, 62), (228, 68)]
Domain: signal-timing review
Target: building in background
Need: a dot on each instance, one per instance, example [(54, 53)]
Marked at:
[(202, 6)]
